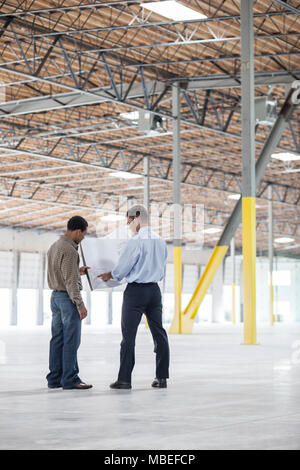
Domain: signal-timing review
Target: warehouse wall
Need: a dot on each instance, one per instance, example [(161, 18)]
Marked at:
[(25, 295), (24, 289), (25, 240), (286, 281)]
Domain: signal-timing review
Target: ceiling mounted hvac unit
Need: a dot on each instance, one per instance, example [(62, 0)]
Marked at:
[(265, 110), (150, 123)]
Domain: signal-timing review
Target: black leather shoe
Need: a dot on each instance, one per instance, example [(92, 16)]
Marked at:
[(118, 385), (159, 383), (79, 386), (54, 386)]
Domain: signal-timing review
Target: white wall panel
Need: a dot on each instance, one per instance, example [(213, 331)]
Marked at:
[(228, 270), (6, 268), (190, 278), (29, 271), (169, 280)]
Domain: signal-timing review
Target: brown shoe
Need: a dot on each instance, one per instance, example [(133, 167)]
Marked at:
[(79, 386)]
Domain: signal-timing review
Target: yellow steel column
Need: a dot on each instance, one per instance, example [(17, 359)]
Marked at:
[(177, 225), (176, 323), (249, 262), (248, 171)]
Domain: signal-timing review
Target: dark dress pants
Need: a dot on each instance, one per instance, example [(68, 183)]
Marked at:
[(142, 299)]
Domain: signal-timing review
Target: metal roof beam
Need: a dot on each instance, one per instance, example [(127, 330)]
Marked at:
[(159, 176), (67, 8), (98, 5), (291, 8), (157, 24), (77, 98)]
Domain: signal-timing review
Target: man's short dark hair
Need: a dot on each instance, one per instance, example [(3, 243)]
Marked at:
[(77, 222)]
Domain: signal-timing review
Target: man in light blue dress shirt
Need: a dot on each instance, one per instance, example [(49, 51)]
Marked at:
[(142, 264)]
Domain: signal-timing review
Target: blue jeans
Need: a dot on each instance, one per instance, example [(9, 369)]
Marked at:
[(65, 341)]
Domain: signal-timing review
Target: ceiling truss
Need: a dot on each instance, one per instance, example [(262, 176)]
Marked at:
[(68, 76)]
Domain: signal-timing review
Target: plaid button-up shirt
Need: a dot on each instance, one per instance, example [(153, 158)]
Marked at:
[(63, 269)]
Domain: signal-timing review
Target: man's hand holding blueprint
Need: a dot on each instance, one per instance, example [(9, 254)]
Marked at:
[(102, 255)]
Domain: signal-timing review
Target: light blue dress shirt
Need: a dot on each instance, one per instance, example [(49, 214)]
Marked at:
[(143, 259)]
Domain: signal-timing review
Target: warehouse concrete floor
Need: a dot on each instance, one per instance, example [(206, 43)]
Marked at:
[(222, 395)]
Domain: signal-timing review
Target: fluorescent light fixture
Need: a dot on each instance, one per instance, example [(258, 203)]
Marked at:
[(284, 240), (132, 115), (212, 230), (234, 196), (173, 10), (286, 156), (113, 217), (125, 175)]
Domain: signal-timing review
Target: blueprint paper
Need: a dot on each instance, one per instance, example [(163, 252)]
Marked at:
[(102, 255)]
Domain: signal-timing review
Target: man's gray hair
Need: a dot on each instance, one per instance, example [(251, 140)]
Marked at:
[(138, 210)]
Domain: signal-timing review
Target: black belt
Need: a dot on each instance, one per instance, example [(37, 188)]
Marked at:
[(142, 283)]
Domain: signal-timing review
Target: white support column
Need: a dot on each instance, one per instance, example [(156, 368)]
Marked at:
[(14, 289), (199, 272), (271, 252), (147, 199), (146, 184), (87, 299), (232, 254), (217, 297), (109, 307), (40, 294), (88, 319), (241, 294), (176, 325)]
